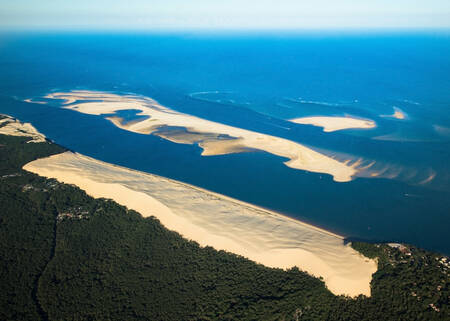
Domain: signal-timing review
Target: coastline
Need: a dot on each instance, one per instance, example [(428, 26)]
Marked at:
[(215, 220), (225, 197), (229, 198), (264, 236)]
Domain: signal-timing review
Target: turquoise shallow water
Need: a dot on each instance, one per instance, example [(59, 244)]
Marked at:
[(257, 83)]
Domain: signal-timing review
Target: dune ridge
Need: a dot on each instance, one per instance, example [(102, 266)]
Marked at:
[(215, 220), (13, 127)]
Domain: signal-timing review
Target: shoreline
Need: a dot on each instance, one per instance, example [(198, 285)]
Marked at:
[(211, 219), (224, 223)]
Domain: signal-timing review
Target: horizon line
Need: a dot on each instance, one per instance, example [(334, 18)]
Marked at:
[(194, 30)]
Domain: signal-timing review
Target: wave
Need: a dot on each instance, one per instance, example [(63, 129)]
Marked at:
[(223, 101), (411, 102), (210, 92), (320, 103)]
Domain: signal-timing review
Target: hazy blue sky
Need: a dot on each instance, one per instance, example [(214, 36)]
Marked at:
[(224, 14)]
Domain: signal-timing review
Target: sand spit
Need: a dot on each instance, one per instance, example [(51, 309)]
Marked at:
[(218, 221), (331, 124), (214, 138), (13, 127)]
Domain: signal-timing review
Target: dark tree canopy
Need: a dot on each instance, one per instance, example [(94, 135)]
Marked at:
[(67, 256)]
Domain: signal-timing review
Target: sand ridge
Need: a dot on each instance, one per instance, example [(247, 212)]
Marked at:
[(215, 220), (13, 127), (335, 123), (213, 137)]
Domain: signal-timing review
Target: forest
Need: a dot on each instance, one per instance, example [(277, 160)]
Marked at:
[(67, 256)]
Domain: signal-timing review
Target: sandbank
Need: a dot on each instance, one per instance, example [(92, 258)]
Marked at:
[(442, 130), (215, 220), (213, 137), (398, 114), (331, 124), (13, 127)]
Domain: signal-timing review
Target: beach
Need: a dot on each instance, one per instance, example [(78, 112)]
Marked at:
[(210, 219)]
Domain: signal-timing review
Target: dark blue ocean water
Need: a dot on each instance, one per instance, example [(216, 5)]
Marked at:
[(257, 82)]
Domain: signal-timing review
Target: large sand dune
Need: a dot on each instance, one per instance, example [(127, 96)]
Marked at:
[(218, 221), (13, 127)]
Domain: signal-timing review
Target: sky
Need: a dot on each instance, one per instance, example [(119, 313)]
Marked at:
[(224, 14)]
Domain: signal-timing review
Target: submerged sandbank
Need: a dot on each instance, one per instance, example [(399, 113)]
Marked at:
[(214, 138), (331, 124), (218, 221)]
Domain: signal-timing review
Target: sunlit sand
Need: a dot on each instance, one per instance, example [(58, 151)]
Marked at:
[(398, 114), (218, 221), (442, 130), (214, 138), (331, 124), (13, 127)]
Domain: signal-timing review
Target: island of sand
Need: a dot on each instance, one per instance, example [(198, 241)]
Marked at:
[(335, 123), (218, 221), (214, 138), (13, 127), (217, 139), (398, 114)]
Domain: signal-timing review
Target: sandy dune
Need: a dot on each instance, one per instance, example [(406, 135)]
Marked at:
[(331, 124), (13, 127), (218, 221), (214, 138)]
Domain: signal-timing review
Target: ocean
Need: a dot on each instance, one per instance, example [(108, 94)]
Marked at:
[(258, 82)]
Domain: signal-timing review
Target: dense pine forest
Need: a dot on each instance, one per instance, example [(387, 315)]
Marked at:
[(67, 256)]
